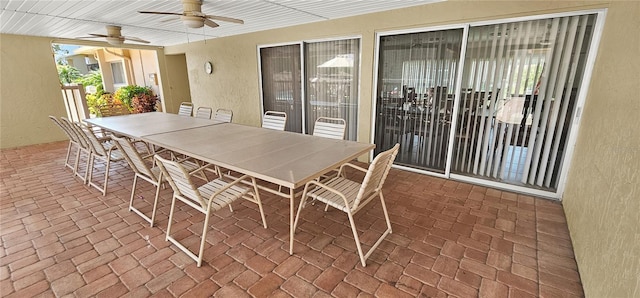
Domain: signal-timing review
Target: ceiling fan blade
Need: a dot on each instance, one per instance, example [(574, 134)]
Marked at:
[(159, 12), (210, 23), (225, 19), (131, 38), (97, 35), (169, 20), (88, 37)]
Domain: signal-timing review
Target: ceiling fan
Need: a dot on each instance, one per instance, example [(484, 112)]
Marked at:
[(114, 36), (193, 17)]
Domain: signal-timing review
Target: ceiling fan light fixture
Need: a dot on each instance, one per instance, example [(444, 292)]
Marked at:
[(192, 21)]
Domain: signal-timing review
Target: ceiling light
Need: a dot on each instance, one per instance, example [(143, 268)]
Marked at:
[(192, 21)]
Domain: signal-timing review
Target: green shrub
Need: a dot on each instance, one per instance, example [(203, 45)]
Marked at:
[(125, 94)]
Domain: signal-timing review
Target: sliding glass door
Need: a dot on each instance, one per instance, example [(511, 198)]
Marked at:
[(415, 96), (281, 83), (506, 119), (322, 82)]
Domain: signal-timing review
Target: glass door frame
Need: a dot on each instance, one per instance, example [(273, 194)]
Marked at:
[(575, 124), (301, 44)]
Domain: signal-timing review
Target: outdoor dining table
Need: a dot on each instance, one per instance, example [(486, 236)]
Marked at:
[(283, 158), (138, 125)]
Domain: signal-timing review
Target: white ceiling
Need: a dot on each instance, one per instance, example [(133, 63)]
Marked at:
[(74, 18)]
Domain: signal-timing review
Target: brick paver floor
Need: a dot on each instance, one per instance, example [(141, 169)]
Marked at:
[(62, 238)]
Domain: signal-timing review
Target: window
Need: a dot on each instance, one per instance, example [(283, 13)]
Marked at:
[(117, 70), (328, 72)]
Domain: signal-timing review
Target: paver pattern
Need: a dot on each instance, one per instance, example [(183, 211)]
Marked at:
[(450, 239)]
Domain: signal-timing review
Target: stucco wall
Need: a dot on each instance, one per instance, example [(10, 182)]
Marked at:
[(602, 191), (177, 81), (29, 92), (602, 198)]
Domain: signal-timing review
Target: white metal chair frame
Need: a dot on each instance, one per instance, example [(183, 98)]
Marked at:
[(274, 120), (99, 151), (140, 166), (350, 196), (332, 128), (204, 113), (73, 142), (142, 170), (223, 115), (83, 147), (209, 197), (186, 108)]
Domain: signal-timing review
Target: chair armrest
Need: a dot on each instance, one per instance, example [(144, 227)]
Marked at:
[(146, 146), (331, 189), (229, 185), (352, 166)]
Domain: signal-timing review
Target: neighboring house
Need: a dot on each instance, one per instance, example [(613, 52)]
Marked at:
[(83, 62), (121, 67)]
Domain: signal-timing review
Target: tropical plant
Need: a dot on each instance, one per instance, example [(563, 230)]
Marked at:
[(96, 101), (93, 78), (144, 102), (125, 94), (68, 74)]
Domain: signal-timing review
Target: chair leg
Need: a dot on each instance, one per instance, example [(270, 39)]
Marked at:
[(66, 158), (173, 205), (258, 201), (106, 177), (151, 219), (300, 206), (89, 170), (204, 236), (356, 238), (155, 202), (386, 214), (133, 190)]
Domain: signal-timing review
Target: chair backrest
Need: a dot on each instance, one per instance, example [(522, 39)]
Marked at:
[(274, 120), (92, 141), (204, 112), (332, 128), (76, 133), (135, 161), (180, 180), (63, 127), (185, 109), (376, 174), (223, 115)]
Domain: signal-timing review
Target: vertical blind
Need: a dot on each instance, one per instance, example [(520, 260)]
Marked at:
[(281, 83), (416, 84), (331, 76), (520, 83), (331, 82)]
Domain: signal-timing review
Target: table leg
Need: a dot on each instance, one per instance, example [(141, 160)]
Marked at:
[(291, 231)]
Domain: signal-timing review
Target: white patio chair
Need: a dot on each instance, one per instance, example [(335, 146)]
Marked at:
[(99, 151), (332, 128), (274, 120), (144, 167), (223, 115), (207, 198), (350, 196), (73, 142), (186, 108), (204, 113), (83, 147)]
